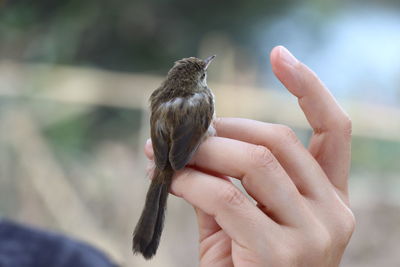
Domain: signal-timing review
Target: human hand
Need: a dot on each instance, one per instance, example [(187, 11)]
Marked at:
[(302, 216)]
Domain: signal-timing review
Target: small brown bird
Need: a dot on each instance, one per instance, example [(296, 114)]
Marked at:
[(182, 110)]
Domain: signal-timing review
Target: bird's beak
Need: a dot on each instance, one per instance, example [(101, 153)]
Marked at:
[(208, 61)]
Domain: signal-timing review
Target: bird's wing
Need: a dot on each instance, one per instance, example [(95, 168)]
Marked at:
[(192, 117), (159, 138), (178, 127)]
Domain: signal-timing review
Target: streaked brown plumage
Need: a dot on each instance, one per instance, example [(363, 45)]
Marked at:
[(182, 109)]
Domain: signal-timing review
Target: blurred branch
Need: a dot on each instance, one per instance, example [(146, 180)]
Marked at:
[(97, 87), (48, 180), (75, 85)]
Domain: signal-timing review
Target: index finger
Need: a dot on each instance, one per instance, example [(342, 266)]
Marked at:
[(330, 143)]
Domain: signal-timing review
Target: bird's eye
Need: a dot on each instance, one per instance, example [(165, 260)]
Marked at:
[(203, 76)]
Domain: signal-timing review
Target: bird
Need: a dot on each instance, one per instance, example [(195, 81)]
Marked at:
[(182, 112)]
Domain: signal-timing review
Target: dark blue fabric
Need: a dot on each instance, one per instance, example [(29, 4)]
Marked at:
[(22, 246)]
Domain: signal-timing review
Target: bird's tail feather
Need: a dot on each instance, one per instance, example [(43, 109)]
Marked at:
[(146, 236)]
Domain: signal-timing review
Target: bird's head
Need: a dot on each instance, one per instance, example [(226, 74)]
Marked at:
[(190, 71)]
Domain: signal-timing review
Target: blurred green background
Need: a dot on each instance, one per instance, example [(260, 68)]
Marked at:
[(74, 81)]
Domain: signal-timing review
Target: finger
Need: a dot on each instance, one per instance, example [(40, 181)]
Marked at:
[(239, 218), (260, 173), (273, 188), (207, 224), (330, 144), (213, 240), (148, 149), (301, 167)]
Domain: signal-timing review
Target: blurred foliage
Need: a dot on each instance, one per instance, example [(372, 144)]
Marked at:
[(375, 155), (124, 35), (137, 36), (79, 135), (96, 147)]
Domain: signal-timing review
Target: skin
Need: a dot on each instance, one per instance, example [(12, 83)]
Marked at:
[(302, 216)]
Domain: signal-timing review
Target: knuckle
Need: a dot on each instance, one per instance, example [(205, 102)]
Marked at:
[(287, 135), (263, 158), (347, 225), (347, 125), (230, 195), (325, 241), (321, 242), (350, 222)]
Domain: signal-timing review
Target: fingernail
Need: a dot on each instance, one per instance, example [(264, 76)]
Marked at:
[(287, 57), (148, 142)]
